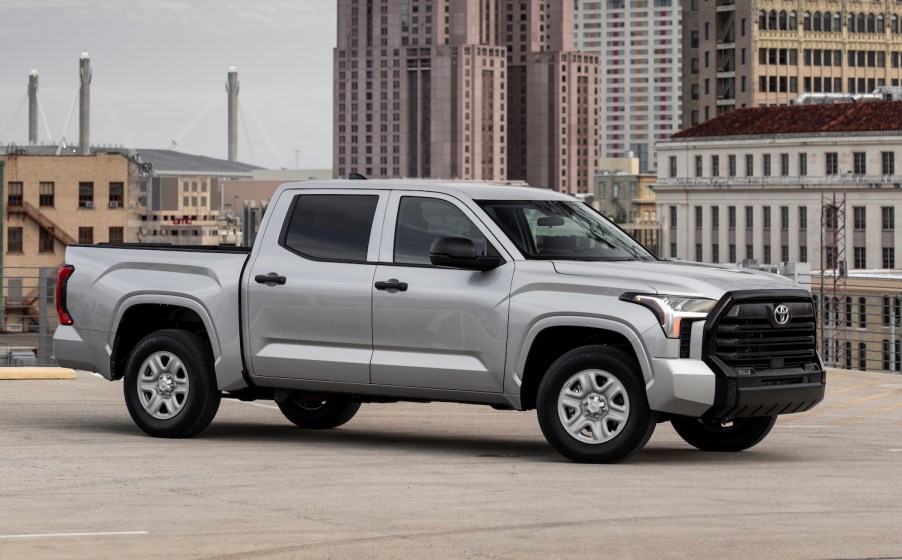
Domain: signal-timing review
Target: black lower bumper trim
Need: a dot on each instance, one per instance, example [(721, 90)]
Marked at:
[(740, 398)]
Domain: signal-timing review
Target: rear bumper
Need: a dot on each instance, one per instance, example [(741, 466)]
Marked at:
[(70, 350)]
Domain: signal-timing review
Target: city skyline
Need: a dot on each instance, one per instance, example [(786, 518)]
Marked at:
[(159, 73)]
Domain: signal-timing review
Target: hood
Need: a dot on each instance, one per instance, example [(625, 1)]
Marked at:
[(676, 277)]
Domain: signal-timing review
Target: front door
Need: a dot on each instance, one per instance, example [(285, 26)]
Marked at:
[(436, 327), (309, 290)]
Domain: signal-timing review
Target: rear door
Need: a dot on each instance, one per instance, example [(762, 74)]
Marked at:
[(436, 327), (309, 290)]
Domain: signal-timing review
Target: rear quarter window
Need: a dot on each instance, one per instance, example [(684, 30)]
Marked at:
[(332, 227)]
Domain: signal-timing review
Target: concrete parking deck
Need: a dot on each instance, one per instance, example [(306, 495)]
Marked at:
[(78, 480)]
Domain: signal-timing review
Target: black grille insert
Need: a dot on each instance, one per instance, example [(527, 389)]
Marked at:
[(748, 338)]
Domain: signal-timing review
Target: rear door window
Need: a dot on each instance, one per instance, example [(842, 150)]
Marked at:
[(330, 227)]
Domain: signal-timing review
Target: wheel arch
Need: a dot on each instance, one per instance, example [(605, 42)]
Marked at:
[(551, 338), (142, 315)]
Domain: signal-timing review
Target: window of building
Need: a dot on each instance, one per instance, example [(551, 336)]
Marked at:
[(766, 165), (889, 162), (85, 235), (859, 214), (673, 250), (46, 194), (715, 252), (889, 217), (731, 219), (889, 257), (14, 240), (698, 252), (14, 197), (715, 166), (832, 163), (803, 253), (731, 165), (749, 217), (749, 165), (767, 254), (86, 195), (715, 217), (784, 218), (860, 166), (117, 234), (330, 227), (45, 241), (803, 217), (732, 252), (117, 196), (803, 165), (673, 216), (862, 313), (862, 356), (698, 217), (749, 252), (765, 215), (860, 257), (673, 166), (784, 164), (698, 166), (784, 253)]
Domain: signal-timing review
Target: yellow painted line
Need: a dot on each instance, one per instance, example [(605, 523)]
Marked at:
[(22, 373), (874, 412), (845, 404), (854, 387)]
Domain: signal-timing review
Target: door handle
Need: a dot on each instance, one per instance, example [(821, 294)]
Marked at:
[(392, 285), (270, 279)]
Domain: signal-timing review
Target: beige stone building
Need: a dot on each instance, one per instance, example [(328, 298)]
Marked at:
[(53, 201), (740, 53), (624, 194), (464, 89), (49, 202)]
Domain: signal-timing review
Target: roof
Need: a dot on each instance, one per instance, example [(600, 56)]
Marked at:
[(869, 116), (162, 161), (476, 191)]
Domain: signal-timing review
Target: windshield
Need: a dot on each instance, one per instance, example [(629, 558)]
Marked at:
[(563, 230)]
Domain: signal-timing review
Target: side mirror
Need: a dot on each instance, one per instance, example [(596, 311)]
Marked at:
[(460, 252)]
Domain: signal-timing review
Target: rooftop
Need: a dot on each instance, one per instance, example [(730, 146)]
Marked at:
[(162, 161), (871, 116)]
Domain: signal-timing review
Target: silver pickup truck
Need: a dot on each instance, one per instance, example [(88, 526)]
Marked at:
[(383, 291)]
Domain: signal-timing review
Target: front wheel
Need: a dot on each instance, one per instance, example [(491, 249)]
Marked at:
[(170, 384), (316, 413), (592, 406), (736, 434)]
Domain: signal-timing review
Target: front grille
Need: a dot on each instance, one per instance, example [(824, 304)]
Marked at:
[(748, 338)]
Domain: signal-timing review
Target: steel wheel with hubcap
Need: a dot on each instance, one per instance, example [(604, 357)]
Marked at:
[(733, 434), (592, 406), (170, 386)]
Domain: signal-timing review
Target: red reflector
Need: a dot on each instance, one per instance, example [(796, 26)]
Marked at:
[(62, 280)]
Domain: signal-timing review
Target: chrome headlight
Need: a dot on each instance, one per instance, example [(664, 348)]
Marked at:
[(671, 310)]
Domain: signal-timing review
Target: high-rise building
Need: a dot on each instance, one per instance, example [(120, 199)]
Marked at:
[(739, 53), (638, 43), (464, 89)]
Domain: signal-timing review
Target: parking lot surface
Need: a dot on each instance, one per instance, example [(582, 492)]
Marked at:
[(78, 480)]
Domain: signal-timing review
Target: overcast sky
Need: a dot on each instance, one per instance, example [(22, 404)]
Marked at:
[(160, 69)]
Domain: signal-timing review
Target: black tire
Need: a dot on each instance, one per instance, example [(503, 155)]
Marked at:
[(316, 414), (192, 398), (628, 433), (714, 435)]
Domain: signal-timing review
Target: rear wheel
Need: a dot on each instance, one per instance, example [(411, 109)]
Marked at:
[(735, 434), (592, 406), (170, 384), (310, 412)]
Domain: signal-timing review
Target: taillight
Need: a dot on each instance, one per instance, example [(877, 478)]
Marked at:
[(62, 280)]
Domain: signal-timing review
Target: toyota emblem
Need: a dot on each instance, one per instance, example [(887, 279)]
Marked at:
[(781, 314)]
